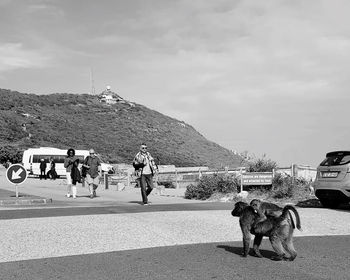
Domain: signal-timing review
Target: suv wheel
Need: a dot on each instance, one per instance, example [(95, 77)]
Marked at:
[(329, 203)]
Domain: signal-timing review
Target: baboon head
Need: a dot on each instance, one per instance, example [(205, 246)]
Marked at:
[(239, 206), (255, 203)]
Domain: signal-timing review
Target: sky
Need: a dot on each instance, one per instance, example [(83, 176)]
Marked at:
[(270, 77)]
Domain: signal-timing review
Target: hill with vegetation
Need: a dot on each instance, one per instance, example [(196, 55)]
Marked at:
[(115, 131)]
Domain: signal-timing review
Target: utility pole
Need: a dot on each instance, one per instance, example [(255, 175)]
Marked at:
[(92, 81)]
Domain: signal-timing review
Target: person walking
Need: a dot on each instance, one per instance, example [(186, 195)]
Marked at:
[(42, 169), (68, 164), (145, 169), (7, 164), (75, 175), (52, 172), (83, 175), (93, 171)]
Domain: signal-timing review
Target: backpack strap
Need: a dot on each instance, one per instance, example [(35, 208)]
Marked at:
[(86, 160)]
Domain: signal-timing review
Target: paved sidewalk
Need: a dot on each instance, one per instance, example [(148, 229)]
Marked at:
[(9, 198), (36, 191)]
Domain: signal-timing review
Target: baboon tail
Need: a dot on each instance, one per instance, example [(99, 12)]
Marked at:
[(285, 212), (291, 220)]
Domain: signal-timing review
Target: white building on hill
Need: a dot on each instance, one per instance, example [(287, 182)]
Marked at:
[(110, 97)]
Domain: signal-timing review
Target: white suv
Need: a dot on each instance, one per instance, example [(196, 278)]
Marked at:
[(332, 183)]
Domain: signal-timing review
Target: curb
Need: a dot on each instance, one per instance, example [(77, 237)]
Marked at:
[(25, 201)]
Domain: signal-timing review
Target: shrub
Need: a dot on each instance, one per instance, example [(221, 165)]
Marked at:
[(261, 165), (167, 184), (9, 153), (287, 187), (208, 185)]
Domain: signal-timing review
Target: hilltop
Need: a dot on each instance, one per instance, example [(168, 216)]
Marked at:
[(81, 121)]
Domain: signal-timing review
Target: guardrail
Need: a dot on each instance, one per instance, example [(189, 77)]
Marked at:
[(180, 179), (120, 181)]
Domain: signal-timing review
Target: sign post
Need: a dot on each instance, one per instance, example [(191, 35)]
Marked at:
[(16, 174), (241, 180), (257, 178)]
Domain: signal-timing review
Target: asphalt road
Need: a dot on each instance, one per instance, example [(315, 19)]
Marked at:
[(114, 237), (318, 258), (35, 212)]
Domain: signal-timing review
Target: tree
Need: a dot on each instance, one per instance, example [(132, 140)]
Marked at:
[(261, 165), (10, 153)]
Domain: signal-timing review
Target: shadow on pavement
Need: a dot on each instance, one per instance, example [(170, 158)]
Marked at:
[(238, 251), (315, 203), (309, 203), (135, 202)]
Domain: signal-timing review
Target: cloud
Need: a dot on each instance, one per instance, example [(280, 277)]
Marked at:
[(229, 68), (13, 56)]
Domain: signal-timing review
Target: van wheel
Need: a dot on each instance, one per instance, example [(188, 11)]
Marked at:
[(329, 203)]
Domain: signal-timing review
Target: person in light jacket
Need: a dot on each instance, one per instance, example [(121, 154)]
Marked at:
[(145, 168)]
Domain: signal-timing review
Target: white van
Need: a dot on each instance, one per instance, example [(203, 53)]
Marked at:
[(31, 159)]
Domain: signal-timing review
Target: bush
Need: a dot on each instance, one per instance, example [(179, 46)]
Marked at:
[(208, 185), (9, 153), (287, 187), (167, 184), (261, 165)]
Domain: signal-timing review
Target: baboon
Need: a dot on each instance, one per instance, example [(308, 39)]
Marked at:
[(268, 209), (278, 229), (247, 217), (280, 232)]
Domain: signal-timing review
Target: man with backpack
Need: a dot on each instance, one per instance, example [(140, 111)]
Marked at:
[(93, 172), (145, 168)]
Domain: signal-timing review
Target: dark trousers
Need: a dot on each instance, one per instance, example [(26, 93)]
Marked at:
[(52, 174), (146, 186), (42, 174)]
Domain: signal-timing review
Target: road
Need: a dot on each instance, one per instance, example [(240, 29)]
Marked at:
[(114, 237), (319, 258), (175, 241)]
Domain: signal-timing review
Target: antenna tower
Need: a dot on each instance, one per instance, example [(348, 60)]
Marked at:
[(92, 81)]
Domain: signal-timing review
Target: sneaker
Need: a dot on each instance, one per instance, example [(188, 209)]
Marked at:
[(147, 204), (68, 195)]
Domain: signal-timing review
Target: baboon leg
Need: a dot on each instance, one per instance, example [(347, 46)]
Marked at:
[(289, 247), (246, 242), (257, 242), (276, 244)]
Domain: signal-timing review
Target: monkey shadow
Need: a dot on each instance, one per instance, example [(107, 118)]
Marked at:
[(309, 203), (315, 203), (239, 250)]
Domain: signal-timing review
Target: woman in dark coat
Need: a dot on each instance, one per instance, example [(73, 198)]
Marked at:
[(68, 164)]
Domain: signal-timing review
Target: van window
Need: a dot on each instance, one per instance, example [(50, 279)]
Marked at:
[(59, 159), (37, 158), (56, 158), (336, 159)]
